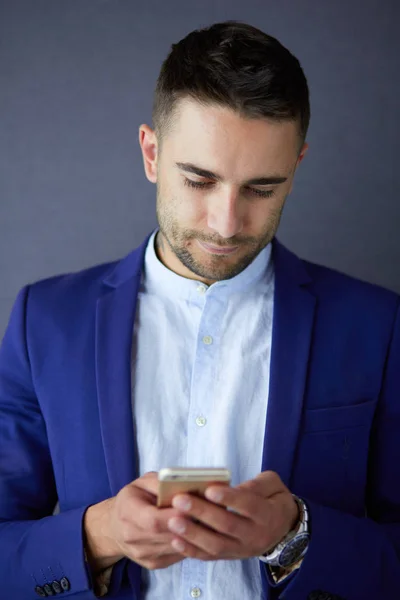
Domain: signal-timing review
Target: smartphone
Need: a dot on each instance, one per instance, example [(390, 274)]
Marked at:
[(195, 480)]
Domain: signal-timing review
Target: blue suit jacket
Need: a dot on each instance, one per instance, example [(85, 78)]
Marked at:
[(332, 434)]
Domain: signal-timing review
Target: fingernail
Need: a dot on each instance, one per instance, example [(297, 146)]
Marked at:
[(178, 545), (181, 502), (213, 495), (177, 525)]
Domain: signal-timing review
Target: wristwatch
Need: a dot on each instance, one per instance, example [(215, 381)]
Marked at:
[(294, 545)]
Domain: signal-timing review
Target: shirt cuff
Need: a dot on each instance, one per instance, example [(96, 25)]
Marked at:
[(100, 581), (279, 574)]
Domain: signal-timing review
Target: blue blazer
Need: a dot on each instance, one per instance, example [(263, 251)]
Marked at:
[(332, 433)]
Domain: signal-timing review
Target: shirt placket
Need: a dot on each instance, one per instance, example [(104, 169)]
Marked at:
[(205, 355)]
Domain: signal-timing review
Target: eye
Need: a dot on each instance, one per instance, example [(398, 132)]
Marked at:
[(204, 184), (262, 193), (195, 184)]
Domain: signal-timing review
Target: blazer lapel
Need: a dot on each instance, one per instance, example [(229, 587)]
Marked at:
[(294, 308), (114, 330)]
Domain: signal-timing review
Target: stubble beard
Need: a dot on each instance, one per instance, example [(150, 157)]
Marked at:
[(217, 267)]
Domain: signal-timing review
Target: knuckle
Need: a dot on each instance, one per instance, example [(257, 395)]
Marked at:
[(275, 481), (212, 551), (191, 551), (230, 527), (140, 555), (119, 505), (154, 525), (128, 493), (216, 549), (124, 506), (127, 534), (256, 509), (151, 564), (198, 511)]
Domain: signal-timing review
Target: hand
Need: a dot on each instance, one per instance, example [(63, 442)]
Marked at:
[(264, 512), (138, 528)]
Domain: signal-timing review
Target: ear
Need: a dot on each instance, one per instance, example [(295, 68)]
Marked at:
[(148, 144), (302, 154)]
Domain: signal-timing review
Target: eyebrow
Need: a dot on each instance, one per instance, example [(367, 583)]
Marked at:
[(191, 168)]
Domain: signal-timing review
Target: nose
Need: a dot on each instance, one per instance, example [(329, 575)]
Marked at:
[(224, 215)]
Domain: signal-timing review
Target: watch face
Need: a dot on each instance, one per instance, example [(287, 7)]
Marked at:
[(294, 550)]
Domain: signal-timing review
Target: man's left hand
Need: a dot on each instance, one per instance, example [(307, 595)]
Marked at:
[(264, 512)]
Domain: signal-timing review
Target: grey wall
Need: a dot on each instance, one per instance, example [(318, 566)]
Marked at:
[(76, 81)]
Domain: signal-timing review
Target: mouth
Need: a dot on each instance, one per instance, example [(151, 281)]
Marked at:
[(217, 249)]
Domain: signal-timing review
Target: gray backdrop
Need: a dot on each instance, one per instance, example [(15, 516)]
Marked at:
[(77, 79)]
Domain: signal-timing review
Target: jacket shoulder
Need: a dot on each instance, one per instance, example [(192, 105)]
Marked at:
[(332, 283), (84, 280)]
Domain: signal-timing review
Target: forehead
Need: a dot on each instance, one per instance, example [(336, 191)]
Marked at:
[(217, 137)]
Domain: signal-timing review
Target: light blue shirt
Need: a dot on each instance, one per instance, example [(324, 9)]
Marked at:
[(200, 383)]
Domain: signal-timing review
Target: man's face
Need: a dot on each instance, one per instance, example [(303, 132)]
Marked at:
[(230, 208)]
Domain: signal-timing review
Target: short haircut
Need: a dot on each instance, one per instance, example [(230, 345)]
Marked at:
[(235, 65)]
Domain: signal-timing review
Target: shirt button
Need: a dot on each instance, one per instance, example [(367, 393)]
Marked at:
[(207, 339), (201, 289), (201, 421), (195, 592)]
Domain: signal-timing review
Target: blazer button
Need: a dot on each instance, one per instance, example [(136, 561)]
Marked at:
[(56, 587), (65, 584), (40, 591), (48, 589)]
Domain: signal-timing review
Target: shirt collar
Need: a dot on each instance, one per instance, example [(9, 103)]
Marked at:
[(161, 280)]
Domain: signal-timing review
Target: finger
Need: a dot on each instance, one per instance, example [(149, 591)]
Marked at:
[(148, 482), (155, 520), (154, 561), (211, 542), (245, 503), (188, 550), (213, 516), (170, 559), (139, 510), (167, 560), (266, 483)]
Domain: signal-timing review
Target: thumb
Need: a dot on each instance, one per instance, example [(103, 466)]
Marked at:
[(264, 484), (251, 485)]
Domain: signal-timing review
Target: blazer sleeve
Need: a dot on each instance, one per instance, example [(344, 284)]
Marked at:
[(359, 558), (36, 547)]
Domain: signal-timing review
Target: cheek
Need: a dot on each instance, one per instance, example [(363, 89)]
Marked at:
[(191, 210), (261, 214)]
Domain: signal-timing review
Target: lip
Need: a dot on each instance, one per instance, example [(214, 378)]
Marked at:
[(217, 249)]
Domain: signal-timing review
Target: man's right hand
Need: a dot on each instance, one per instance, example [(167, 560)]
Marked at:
[(131, 525)]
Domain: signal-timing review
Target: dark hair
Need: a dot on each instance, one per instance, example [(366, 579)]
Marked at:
[(236, 65)]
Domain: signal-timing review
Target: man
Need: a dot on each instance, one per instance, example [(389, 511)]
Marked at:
[(209, 345)]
